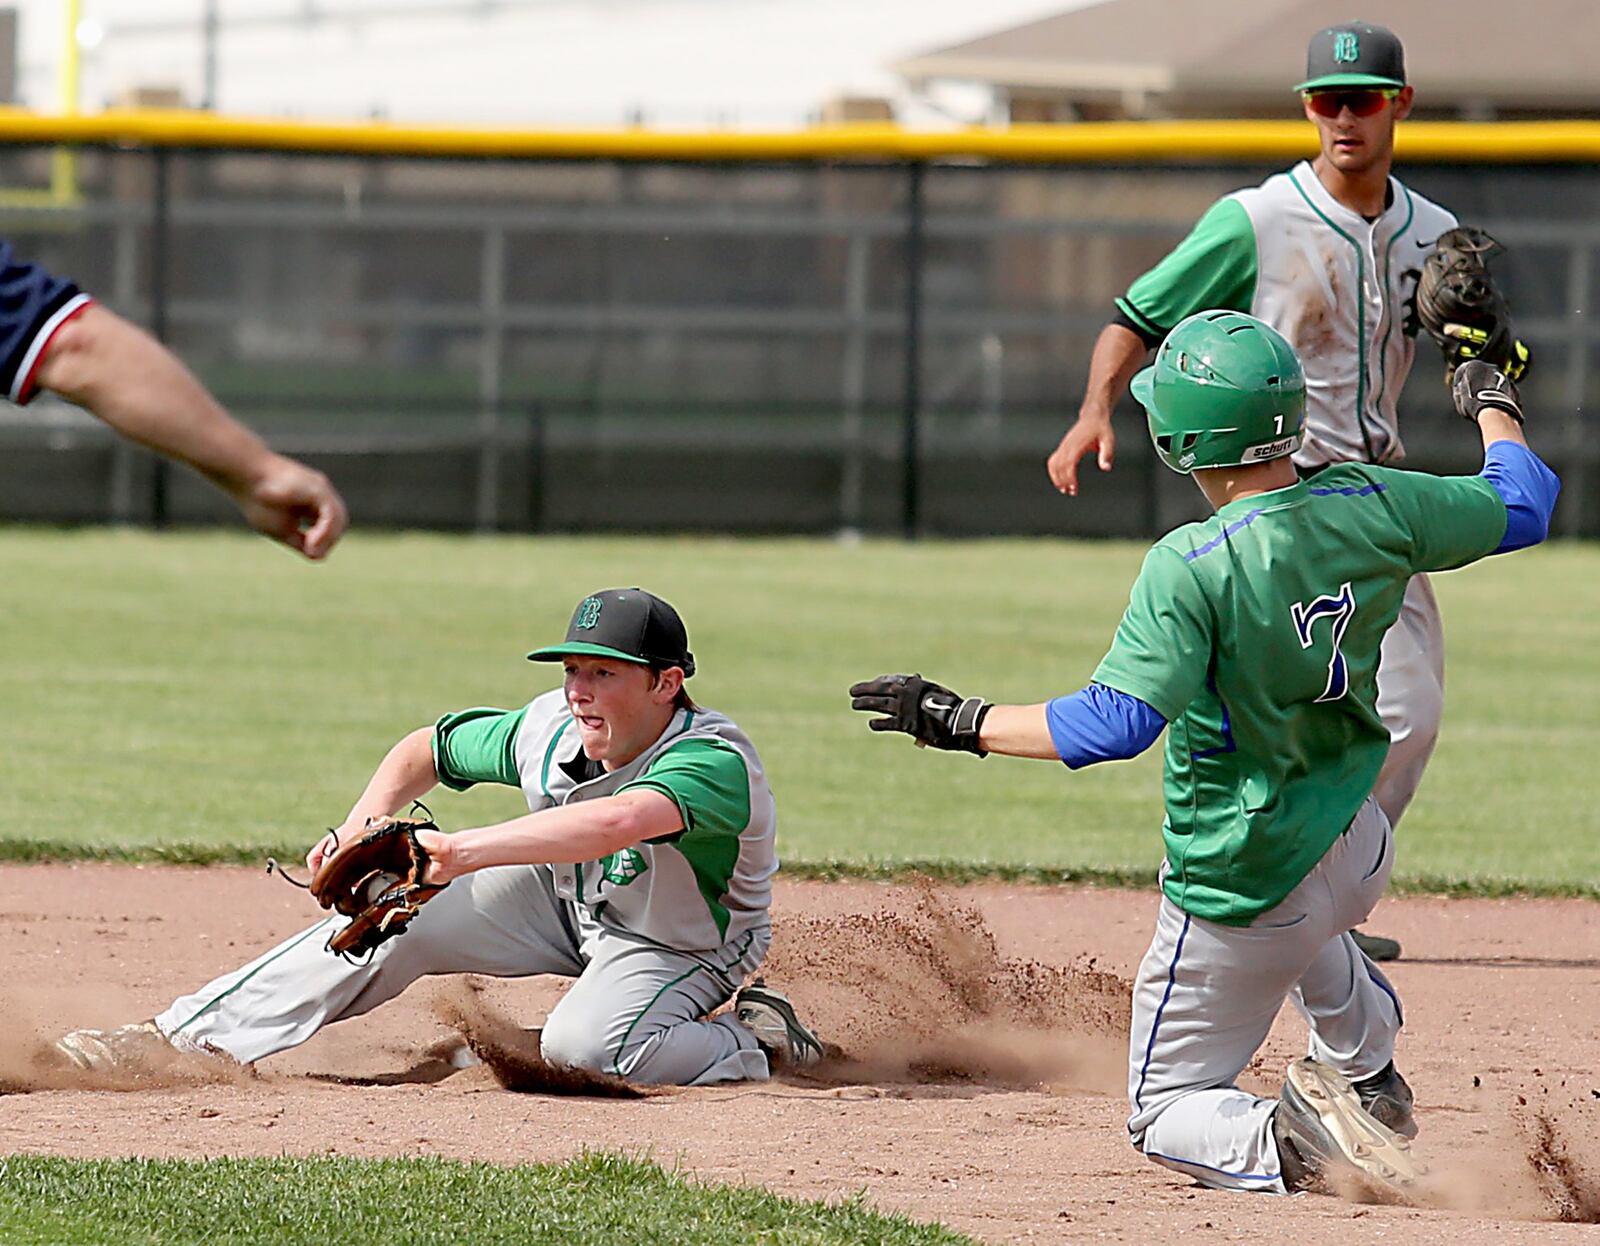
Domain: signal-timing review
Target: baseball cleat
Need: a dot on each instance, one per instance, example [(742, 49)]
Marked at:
[(770, 1016), (1387, 1098), (1376, 947), (137, 1048), (1327, 1141)]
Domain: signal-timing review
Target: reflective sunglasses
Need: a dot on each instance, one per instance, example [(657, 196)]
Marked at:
[(1362, 102)]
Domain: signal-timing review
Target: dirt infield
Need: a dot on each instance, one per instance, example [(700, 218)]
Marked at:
[(981, 1082)]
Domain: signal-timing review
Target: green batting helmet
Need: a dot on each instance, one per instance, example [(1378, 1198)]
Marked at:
[(1226, 389)]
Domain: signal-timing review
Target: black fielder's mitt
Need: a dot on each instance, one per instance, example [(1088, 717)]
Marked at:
[(377, 882), (1461, 307)]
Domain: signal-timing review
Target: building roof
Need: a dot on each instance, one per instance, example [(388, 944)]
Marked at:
[(1248, 53)]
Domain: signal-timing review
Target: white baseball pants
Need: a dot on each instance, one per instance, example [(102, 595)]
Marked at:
[(637, 1009), (1206, 995)]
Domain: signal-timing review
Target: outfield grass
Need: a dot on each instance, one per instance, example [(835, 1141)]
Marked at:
[(207, 693), (597, 1200)]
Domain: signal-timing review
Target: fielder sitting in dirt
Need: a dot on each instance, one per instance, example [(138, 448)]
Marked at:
[(663, 806), (1253, 640)]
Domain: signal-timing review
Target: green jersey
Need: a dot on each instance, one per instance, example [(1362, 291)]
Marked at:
[(1256, 635)]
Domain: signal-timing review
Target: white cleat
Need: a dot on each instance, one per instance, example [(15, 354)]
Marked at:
[(1327, 1141), (770, 1016), (132, 1049)]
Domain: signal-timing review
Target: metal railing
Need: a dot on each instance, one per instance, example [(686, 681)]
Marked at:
[(923, 351)]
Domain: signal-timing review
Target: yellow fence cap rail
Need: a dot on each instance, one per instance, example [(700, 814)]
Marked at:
[(1089, 142)]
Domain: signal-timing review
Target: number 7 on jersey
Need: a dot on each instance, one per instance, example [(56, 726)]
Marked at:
[(1338, 609)]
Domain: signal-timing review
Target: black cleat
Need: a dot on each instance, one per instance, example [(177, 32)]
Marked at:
[(1376, 947)]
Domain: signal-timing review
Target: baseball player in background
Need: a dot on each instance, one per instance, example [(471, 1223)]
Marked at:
[(53, 336), (644, 871), (1329, 254), (1253, 640)]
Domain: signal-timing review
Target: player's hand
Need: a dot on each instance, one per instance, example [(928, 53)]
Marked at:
[(294, 504), (1090, 435), (1479, 386), (337, 839), (443, 864), (928, 712)]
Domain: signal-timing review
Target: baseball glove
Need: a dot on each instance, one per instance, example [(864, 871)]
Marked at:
[(1462, 309), (928, 712), (377, 882)]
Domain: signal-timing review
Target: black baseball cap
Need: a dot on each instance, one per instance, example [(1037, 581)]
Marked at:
[(628, 624), (1354, 54)]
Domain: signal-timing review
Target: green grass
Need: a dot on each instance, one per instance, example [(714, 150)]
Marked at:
[(207, 696), (603, 1199)]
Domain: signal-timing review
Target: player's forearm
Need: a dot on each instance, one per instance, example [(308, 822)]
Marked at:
[(584, 831), (1119, 352), (1496, 425), (405, 774), (1018, 731), (124, 376)]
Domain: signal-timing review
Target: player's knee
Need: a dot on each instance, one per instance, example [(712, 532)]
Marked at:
[(1416, 724), (1428, 713), (636, 1055), (570, 1042), (648, 1058)]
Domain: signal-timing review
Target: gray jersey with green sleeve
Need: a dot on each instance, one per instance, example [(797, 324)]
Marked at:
[(1256, 634), (696, 890), (1333, 283)]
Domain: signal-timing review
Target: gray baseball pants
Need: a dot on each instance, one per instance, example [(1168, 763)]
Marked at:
[(1206, 995), (1410, 696), (637, 1010)]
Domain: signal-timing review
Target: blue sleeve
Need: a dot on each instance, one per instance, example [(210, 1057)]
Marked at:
[(1529, 490), (1098, 723), (33, 305)]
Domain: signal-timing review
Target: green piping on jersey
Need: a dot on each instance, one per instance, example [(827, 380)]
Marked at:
[(288, 947), (1361, 315), (544, 774), (1388, 256), (616, 1059)]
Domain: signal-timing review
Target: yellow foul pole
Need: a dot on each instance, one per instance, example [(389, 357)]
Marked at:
[(64, 160)]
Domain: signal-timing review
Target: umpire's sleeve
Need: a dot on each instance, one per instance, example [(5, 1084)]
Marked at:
[(33, 305)]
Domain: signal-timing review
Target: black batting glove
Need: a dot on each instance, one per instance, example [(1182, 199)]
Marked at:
[(928, 712), (1478, 385)]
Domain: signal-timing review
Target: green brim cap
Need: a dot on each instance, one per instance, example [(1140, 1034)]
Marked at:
[(551, 652), (1354, 54), (1335, 82), (627, 624)]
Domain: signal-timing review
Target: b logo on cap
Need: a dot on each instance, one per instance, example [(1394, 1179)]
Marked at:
[(588, 613), (1346, 48)]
